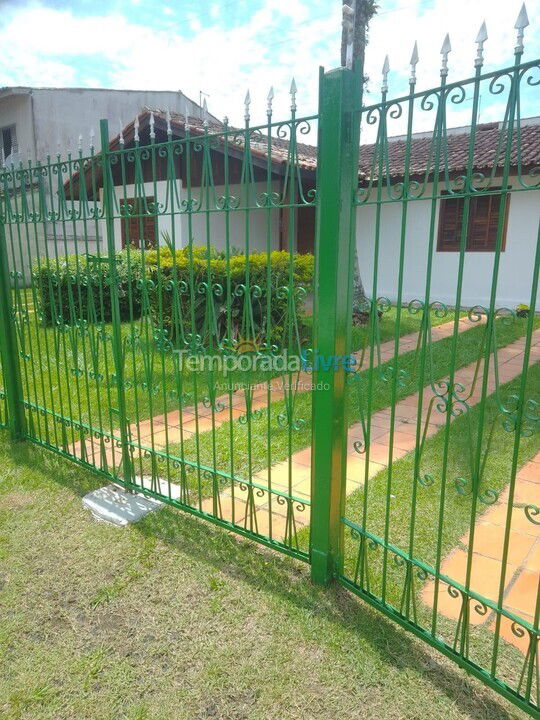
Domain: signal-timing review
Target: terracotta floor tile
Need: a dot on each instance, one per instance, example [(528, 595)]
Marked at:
[(523, 594), (402, 440), (521, 523), (172, 434), (202, 424), (225, 415), (409, 428), (356, 468), (377, 453), (303, 457), (519, 520), (533, 561), (381, 421), (485, 576), (356, 432), (531, 473), (302, 488), (505, 631), (489, 541), (496, 515), (526, 492)]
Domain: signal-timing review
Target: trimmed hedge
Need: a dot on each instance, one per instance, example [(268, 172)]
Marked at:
[(186, 282), (75, 289)]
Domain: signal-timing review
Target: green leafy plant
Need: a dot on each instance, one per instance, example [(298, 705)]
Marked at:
[(201, 292)]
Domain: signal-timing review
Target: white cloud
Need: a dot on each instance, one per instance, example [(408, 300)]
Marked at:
[(281, 39)]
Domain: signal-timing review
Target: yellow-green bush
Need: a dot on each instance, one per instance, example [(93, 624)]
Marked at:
[(185, 276), (74, 289)]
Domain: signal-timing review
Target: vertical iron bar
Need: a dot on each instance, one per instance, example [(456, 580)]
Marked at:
[(115, 305), (337, 177), (9, 349)]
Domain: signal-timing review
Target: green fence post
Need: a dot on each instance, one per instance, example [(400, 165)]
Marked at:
[(337, 165), (9, 351), (117, 343)]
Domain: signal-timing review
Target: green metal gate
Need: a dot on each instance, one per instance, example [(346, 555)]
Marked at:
[(426, 449), (148, 305), (155, 326)]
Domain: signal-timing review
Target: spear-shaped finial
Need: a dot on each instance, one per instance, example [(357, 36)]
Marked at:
[(136, 128), (225, 121), (121, 135), (385, 71), (446, 48), (480, 40), (92, 136), (152, 126), (80, 143), (269, 99), (414, 62), (205, 113), (292, 93), (186, 118), (247, 103), (521, 23), (168, 120)]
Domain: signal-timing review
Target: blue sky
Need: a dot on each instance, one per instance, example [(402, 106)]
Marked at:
[(224, 47)]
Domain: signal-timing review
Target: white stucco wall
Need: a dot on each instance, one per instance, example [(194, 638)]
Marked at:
[(16, 110), (257, 224), (63, 115), (516, 262), (28, 241), (48, 117)]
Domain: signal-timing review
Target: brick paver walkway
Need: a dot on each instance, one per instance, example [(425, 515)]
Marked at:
[(522, 579), (522, 575), (162, 430)]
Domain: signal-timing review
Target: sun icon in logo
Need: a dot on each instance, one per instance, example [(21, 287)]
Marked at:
[(246, 345)]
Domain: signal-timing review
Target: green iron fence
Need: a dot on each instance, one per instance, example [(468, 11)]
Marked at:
[(156, 327), (426, 527), (154, 295)]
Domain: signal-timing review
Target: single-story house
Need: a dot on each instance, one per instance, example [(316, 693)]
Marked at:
[(279, 228)]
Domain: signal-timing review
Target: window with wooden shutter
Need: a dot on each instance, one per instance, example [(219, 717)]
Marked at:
[(140, 230), (482, 226)]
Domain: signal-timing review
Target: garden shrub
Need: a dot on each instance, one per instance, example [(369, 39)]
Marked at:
[(75, 289), (170, 271)]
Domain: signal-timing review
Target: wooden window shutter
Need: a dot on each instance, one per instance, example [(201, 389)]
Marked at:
[(137, 230), (450, 224), (484, 222)]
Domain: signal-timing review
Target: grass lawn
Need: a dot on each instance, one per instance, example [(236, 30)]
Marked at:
[(73, 374), (173, 619), (250, 440), (462, 434)]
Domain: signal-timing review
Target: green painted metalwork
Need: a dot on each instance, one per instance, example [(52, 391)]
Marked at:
[(126, 273), (338, 168), (131, 270), (403, 523), (13, 415)]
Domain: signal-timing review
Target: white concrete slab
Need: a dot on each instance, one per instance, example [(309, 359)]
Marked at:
[(114, 505)]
